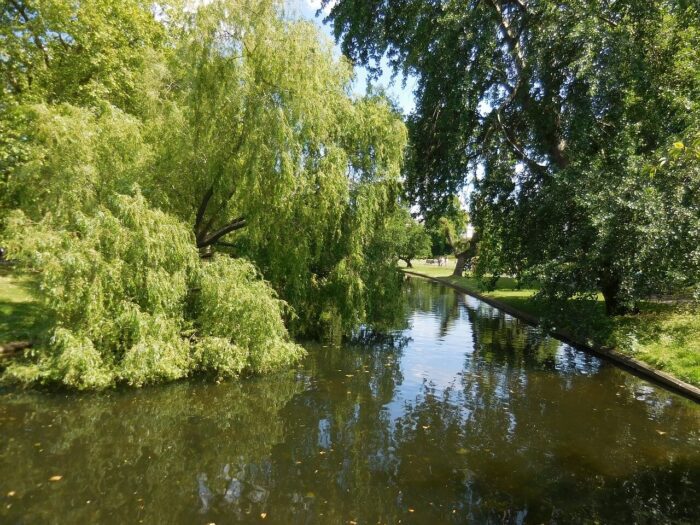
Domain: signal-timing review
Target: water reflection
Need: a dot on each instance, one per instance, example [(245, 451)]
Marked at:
[(462, 415)]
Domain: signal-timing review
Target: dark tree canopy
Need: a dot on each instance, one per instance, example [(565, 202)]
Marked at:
[(554, 111)]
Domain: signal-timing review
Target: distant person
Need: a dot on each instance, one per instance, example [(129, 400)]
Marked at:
[(2, 253)]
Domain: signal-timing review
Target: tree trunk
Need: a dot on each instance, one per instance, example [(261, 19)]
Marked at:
[(466, 256), (610, 286), (493, 281), (460, 264), (407, 260), (204, 239)]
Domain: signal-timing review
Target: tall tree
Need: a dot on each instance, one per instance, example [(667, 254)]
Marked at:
[(261, 149), (232, 118), (552, 109), (405, 237)]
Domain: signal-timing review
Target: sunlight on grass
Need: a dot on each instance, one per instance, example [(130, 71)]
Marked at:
[(20, 314)]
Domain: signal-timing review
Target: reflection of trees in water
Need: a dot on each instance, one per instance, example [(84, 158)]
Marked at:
[(530, 455), (427, 297), (528, 431), (158, 454)]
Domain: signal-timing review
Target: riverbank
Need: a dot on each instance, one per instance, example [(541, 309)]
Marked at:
[(20, 318), (662, 342), (663, 338)]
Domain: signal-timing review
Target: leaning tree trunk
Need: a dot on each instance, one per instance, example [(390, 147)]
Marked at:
[(466, 256), (407, 260)]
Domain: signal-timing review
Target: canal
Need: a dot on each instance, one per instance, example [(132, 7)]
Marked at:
[(461, 414)]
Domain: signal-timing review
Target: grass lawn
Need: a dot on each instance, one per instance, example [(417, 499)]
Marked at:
[(20, 314), (666, 336)]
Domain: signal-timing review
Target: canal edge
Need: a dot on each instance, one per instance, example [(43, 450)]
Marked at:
[(639, 368)]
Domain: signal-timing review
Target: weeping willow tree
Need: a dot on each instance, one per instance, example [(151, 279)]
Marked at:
[(130, 302), (263, 152), (181, 215)]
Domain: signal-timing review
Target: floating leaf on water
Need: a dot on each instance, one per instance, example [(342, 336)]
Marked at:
[(56, 478), (660, 432), (11, 493), (462, 451), (348, 375), (411, 510), (263, 515), (426, 427)]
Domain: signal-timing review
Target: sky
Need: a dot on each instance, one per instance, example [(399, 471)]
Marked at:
[(403, 96)]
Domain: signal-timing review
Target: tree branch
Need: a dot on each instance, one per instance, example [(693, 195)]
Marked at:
[(519, 152), (23, 13), (607, 20), (202, 210), (512, 38), (235, 224), (521, 4)]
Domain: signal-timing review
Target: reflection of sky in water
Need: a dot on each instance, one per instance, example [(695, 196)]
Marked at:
[(431, 356), (440, 354)]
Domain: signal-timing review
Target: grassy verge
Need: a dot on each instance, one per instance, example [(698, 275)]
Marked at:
[(666, 336), (20, 314)]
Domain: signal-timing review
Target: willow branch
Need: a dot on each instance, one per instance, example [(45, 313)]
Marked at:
[(234, 225)]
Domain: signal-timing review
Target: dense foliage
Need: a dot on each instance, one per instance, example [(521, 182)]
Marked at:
[(554, 111), (130, 302), (406, 237), (163, 161)]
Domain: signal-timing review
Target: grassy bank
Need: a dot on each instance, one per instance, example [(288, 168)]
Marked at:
[(20, 314), (666, 336)]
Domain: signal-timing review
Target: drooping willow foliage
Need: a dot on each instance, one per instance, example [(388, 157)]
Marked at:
[(131, 302), (188, 183)]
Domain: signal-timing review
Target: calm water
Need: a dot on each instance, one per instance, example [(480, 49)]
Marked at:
[(462, 415)]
